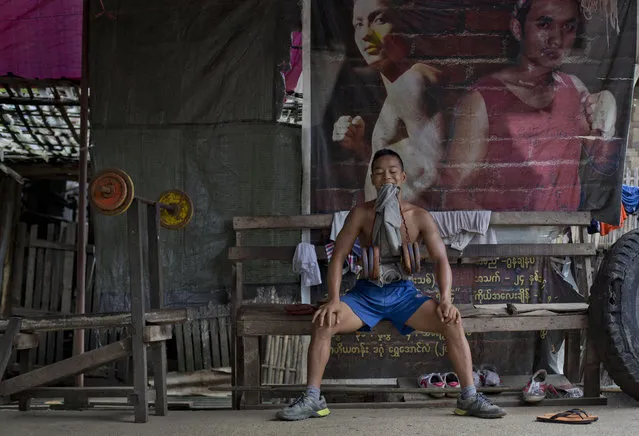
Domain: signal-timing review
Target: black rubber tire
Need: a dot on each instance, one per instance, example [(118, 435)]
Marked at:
[(614, 313)]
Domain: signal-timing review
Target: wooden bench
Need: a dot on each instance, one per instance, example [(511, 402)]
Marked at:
[(251, 321)]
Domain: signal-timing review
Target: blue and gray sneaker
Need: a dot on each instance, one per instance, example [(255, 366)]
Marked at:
[(304, 407), (478, 405)]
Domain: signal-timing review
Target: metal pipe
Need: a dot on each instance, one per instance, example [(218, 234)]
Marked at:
[(78, 336)]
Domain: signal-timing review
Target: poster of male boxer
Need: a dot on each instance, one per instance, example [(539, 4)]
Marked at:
[(502, 105)]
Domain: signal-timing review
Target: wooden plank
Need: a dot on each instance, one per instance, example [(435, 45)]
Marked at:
[(188, 347), (197, 345), (282, 222), (46, 293), (158, 350), (157, 333), (25, 341), (237, 298), (99, 320), (540, 218), (262, 320), (47, 297), (324, 221), (138, 306), (52, 245), (84, 392), (592, 368), (155, 261), (179, 342), (216, 360), (251, 370), (286, 253), (18, 267), (224, 344), (206, 343), (159, 376), (31, 261), (572, 355), (68, 268), (24, 357), (523, 308), (66, 368), (6, 343)]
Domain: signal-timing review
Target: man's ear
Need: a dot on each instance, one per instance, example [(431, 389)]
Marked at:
[(515, 28)]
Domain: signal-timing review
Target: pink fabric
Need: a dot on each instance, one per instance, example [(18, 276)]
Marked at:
[(41, 38), (533, 155), (292, 76)]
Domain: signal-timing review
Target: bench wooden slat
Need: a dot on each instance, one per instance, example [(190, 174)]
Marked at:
[(246, 253), (323, 221), (266, 319)]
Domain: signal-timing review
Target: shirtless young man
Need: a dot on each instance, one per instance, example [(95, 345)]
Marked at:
[(396, 299)]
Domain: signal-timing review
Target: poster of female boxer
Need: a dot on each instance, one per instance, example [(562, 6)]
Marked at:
[(502, 105)]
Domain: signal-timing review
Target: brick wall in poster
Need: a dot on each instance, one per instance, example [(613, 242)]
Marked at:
[(466, 39)]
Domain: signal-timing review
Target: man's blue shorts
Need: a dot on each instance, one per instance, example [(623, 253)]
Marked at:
[(396, 302)]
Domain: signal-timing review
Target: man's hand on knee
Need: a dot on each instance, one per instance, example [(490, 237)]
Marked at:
[(328, 314), (447, 313)]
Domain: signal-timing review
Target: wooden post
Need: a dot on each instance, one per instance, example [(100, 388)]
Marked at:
[(251, 370), (24, 356), (158, 349), (137, 311), (592, 381), (572, 353), (237, 366)]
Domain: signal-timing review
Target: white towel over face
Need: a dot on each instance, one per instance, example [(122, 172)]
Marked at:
[(305, 263)]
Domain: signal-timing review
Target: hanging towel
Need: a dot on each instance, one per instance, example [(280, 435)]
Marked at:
[(305, 264), (338, 222), (458, 228)]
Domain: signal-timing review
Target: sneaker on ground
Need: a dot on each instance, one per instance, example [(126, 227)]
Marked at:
[(433, 381), (452, 382), (304, 407), (478, 405), (535, 390), (489, 376)]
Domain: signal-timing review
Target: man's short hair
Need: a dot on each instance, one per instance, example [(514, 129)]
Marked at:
[(386, 152)]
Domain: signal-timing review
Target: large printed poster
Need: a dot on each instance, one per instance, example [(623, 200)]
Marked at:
[(497, 105)]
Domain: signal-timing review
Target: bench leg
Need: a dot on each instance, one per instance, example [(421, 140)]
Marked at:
[(138, 306), (572, 355), (159, 378), (592, 376), (24, 356), (251, 369)]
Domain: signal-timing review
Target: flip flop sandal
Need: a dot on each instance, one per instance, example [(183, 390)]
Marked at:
[(572, 416)]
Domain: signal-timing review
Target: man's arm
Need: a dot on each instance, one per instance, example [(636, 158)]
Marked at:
[(343, 246), (437, 252), (468, 144)]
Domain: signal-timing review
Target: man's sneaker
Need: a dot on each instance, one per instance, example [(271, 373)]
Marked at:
[(304, 407), (478, 405), (535, 390), (433, 381), (452, 382), (489, 376)]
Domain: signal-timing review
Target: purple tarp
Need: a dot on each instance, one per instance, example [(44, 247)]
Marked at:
[(41, 38)]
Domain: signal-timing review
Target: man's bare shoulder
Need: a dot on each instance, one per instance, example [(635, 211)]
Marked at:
[(418, 214), (362, 211)]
